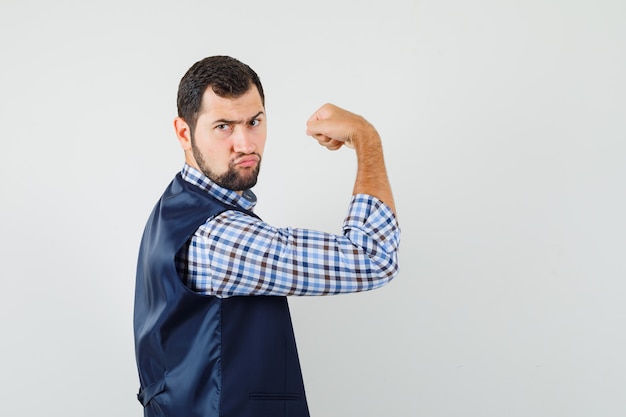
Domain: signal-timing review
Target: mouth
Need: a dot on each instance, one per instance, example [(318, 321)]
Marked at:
[(247, 161)]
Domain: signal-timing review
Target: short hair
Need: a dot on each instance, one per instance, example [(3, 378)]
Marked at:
[(228, 77)]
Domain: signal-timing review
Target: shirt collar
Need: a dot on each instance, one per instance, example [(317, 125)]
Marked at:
[(197, 178)]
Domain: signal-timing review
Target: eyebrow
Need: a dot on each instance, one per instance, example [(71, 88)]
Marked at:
[(234, 122)]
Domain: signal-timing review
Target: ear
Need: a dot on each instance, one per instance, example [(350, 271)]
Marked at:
[(183, 133)]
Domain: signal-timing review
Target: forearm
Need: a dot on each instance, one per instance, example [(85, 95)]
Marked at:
[(371, 175)]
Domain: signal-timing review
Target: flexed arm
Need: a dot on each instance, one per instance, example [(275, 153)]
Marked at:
[(234, 254), (334, 127)]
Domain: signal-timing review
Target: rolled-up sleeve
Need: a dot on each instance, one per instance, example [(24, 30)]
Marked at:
[(372, 227)]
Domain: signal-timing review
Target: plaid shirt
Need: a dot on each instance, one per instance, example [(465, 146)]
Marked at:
[(235, 254)]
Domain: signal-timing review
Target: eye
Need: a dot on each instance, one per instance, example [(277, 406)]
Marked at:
[(222, 127), (255, 122)]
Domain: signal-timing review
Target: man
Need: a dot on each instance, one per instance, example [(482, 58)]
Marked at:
[(213, 333)]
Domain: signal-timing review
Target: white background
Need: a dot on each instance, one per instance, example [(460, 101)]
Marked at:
[(505, 138)]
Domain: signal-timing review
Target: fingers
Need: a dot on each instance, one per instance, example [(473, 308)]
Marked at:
[(323, 127), (331, 126), (330, 144)]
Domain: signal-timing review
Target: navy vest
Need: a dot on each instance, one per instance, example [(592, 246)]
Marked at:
[(199, 355)]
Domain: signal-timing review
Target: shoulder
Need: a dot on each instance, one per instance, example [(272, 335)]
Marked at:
[(232, 221)]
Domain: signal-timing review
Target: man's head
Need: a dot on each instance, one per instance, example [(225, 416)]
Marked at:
[(221, 121), (227, 77)]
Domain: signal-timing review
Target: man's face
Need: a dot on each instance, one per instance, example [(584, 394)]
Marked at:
[(228, 141)]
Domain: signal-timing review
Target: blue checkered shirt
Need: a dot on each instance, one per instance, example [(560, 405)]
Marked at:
[(234, 254)]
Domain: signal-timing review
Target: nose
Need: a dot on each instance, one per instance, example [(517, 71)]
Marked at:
[(243, 141)]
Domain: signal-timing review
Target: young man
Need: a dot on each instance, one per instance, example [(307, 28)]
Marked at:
[(213, 334)]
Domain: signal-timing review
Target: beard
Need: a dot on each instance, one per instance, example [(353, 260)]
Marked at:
[(234, 178)]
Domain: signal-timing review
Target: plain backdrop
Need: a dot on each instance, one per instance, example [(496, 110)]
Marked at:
[(505, 138)]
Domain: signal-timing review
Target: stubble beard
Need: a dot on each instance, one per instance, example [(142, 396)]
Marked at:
[(236, 179)]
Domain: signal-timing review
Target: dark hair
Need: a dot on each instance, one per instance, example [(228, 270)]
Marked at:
[(227, 77)]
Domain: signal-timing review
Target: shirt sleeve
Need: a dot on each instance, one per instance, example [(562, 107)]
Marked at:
[(235, 254)]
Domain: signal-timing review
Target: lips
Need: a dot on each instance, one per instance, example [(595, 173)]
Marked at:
[(247, 161)]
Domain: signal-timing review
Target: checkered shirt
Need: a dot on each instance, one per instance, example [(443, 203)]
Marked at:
[(234, 254)]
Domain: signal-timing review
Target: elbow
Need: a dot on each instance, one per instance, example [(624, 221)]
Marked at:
[(388, 270), (393, 271)]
